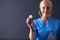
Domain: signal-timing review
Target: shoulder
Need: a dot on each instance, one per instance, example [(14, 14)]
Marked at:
[(55, 20), (36, 20)]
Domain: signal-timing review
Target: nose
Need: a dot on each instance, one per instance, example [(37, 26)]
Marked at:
[(46, 9)]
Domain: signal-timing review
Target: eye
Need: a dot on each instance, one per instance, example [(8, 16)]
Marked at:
[(43, 7), (48, 7)]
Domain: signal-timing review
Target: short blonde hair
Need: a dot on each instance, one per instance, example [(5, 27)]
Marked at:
[(47, 1)]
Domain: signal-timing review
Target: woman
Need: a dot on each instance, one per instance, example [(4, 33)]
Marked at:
[(46, 27)]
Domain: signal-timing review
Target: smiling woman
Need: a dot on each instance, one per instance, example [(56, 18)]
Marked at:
[(46, 27)]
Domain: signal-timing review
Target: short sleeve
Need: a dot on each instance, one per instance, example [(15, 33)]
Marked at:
[(35, 31), (58, 32), (35, 27)]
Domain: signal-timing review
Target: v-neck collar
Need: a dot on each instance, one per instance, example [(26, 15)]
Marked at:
[(44, 21), (43, 24)]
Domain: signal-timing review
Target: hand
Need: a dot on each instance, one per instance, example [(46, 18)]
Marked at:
[(30, 23)]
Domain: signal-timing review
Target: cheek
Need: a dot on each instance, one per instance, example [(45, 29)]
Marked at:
[(50, 11), (42, 11)]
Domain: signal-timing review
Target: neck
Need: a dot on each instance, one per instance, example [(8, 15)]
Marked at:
[(45, 18)]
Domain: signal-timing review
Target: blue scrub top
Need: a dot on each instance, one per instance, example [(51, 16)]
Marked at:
[(42, 30)]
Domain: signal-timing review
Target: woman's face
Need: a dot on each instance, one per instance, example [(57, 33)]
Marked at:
[(45, 9)]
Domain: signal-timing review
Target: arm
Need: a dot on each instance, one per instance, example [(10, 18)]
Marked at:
[(31, 35), (30, 24)]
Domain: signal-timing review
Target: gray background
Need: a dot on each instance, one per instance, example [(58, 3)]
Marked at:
[(13, 14)]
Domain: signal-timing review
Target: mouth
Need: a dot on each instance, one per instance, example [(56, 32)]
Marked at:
[(46, 12)]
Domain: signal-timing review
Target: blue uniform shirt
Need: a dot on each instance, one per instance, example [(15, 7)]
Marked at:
[(42, 30)]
